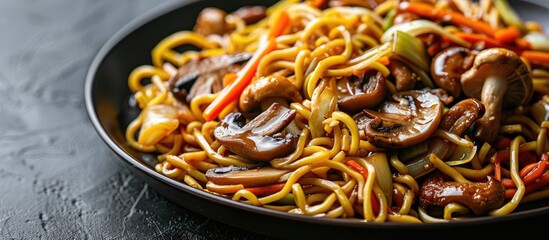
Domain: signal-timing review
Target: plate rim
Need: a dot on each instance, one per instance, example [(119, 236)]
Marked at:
[(169, 7)]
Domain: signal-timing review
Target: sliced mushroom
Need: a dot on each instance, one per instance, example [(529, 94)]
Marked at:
[(211, 21), (462, 115), (365, 92), (253, 177), (501, 80), (456, 120), (209, 71), (410, 118), (481, 197), (267, 87), (371, 4), (447, 67), (260, 139), (251, 14)]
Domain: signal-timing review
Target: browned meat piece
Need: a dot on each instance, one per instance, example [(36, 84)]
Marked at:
[(480, 197)]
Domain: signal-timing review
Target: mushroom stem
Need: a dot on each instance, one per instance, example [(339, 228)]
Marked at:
[(493, 91)]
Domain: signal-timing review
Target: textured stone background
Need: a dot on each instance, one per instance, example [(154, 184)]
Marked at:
[(58, 180)]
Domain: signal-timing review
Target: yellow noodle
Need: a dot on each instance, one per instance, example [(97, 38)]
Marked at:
[(514, 162), (351, 125), (322, 48), (454, 174), (475, 174), (189, 169), (178, 39), (454, 208), (142, 72)]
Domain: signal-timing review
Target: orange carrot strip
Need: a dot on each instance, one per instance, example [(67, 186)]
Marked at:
[(503, 143), (475, 38), (508, 183), (428, 11), (246, 74), (279, 24), (316, 3), (535, 173), (508, 35), (509, 193), (539, 183), (357, 167), (384, 60), (360, 169), (375, 204), (536, 56), (266, 190), (526, 169)]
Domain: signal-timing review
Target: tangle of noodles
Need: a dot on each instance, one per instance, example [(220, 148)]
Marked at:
[(381, 156)]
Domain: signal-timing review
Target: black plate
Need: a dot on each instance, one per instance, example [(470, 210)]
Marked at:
[(107, 94)]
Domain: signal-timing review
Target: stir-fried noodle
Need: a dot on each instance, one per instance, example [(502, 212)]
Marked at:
[(400, 111)]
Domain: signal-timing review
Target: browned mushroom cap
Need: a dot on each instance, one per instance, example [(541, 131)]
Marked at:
[(409, 119), (462, 115), (260, 139), (500, 79), (251, 14), (366, 92), (211, 21), (207, 72), (447, 67), (247, 177), (267, 87)]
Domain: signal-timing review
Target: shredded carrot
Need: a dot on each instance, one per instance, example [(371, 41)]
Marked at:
[(528, 174), (357, 167), (535, 173), (360, 169), (523, 44), (539, 183), (246, 74), (504, 155), (429, 11), (384, 60), (316, 3), (266, 190), (503, 143), (536, 57), (508, 35), (507, 183), (375, 204), (279, 24), (481, 38)]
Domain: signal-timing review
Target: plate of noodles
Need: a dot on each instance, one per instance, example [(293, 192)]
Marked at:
[(335, 118)]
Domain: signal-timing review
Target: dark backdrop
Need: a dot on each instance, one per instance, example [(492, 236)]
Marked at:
[(58, 180)]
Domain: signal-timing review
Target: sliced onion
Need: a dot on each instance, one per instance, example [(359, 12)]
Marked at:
[(461, 155), (421, 26), (158, 122)]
